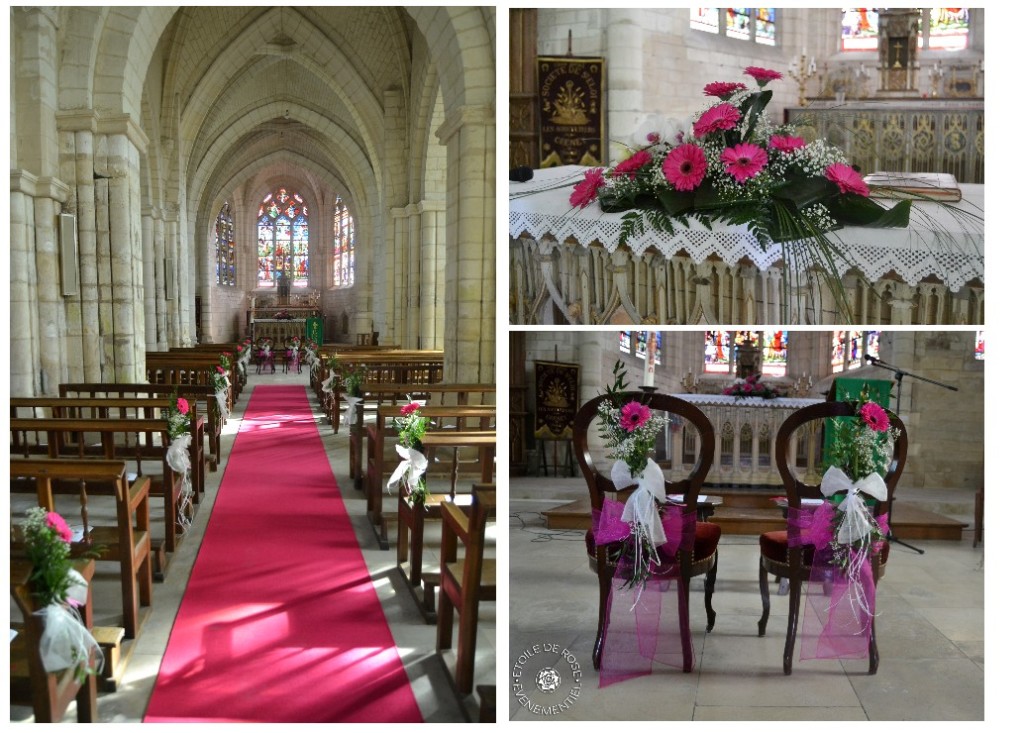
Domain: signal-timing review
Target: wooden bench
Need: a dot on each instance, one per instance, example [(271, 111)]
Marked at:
[(132, 439), (237, 376), (121, 408), (49, 693), (196, 368), (127, 542), (385, 394), (202, 395), (380, 463)]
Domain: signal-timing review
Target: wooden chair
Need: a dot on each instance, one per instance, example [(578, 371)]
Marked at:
[(794, 562), (466, 581), (703, 559), (49, 693), (264, 361)]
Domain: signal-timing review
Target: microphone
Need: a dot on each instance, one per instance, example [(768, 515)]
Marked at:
[(872, 359), (522, 174)]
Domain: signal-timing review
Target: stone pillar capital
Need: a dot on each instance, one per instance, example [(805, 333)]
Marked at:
[(477, 116)]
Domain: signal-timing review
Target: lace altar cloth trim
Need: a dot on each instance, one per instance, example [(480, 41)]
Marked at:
[(782, 403), (938, 242)]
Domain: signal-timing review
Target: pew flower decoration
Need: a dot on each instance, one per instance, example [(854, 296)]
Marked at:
[(292, 347), (59, 589), (221, 385), (412, 425), (735, 167), (352, 376), (752, 386), (243, 353), (311, 348), (630, 430), (265, 349), (178, 429)]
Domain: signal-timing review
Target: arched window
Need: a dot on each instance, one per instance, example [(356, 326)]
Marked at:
[(850, 349), (744, 24), (720, 351), (635, 343), (344, 246), (282, 240), (225, 246), (943, 29)]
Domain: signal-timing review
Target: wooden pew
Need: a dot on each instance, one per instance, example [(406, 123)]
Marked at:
[(412, 516), (121, 408), (128, 542), (380, 462), (49, 693), (181, 368), (203, 395), (467, 581), (384, 394), (73, 438), (229, 348)]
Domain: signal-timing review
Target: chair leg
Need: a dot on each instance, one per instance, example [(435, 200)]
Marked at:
[(604, 584), (445, 613), (709, 590), (762, 581), (465, 657), (684, 623), (872, 650), (795, 587)]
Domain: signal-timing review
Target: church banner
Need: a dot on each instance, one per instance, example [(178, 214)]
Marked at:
[(557, 399), (571, 94)]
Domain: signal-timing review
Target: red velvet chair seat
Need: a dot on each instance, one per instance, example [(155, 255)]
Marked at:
[(704, 545), (774, 545)]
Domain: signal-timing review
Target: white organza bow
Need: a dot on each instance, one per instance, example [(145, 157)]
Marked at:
[(413, 465), (222, 400), (178, 460), (642, 505), (350, 414), (65, 641), (310, 356), (856, 523), (326, 384)]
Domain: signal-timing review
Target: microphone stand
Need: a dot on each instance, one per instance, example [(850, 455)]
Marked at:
[(899, 374)]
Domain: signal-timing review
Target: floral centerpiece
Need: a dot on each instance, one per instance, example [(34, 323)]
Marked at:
[(411, 425), (630, 430), (752, 386), (311, 347), (179, 421), (735, 167), (292, 346), (243, 353), (58, 590)]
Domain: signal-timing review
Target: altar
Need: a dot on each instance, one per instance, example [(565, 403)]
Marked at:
[(566, 266)]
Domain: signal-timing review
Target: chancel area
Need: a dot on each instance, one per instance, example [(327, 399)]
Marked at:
[(741, 611), (227, 224), (639, 138)]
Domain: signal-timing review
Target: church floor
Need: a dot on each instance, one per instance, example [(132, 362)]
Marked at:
[(414, 639), (930, 628)]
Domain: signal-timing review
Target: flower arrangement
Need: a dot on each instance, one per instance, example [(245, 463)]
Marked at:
[(630, 430), (178, 416), (178, 429), (283, 316), (735, 167), (411, 426), (221, 385), (292, 346), (352, 375), (752, 386), (58, 590)]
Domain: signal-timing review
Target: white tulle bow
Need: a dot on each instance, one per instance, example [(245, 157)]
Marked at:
[(642, 505), (350, 414), (65, 641), (222, 400), (856, 523), (413, 465), (326, 384)]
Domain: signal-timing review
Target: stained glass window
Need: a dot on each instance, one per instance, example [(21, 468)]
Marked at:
[(720, 350), (737, 23), (282, 240), (979, 345), (940, 29), (764, 27), (225, 246), (704, 19), (745, 24), (626, 341), (638, 348), (850, 349), (947, 28), (860, 29), (344, 246)]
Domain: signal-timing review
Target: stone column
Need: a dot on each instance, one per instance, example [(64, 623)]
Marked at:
[(149, 277), (469, 342), (159, 286), (88, 283), (49, 304), (24, 344), (625, 67), (121, 259), (398, 280), (395, 193), (432, 268), (411, 302)]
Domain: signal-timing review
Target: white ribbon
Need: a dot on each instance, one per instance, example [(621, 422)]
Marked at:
[(178, 460), (222, 400), (642, 505), (856, 523), (310, 356), (65, 641), (350, 414), (326, 384), (413, 465)]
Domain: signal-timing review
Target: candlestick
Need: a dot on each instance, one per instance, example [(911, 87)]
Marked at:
[(802, 71), (652, 348)]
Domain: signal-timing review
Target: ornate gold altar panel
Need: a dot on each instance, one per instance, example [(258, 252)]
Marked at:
[(278, 331)]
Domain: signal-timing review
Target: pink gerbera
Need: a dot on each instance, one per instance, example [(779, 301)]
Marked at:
[(720, 117), (723, 89), (633, 416), (631, 165), (744, 161), (875, 417), (786, 143), (848, 180), (410, 408), (684, 167), (182, 405), (761, 75), (586, 190), (56, 522)]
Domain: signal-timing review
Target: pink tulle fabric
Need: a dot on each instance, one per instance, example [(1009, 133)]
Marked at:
[(840, 606), (639, 628)]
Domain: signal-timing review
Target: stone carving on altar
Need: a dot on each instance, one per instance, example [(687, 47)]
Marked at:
[(897, 50)]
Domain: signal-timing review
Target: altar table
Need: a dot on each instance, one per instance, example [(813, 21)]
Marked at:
[(567, 266)]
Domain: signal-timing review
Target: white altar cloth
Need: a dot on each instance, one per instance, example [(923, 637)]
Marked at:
[(722, 400), (940, 241)]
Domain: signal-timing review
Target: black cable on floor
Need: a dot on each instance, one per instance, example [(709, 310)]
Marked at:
[(545, 535)]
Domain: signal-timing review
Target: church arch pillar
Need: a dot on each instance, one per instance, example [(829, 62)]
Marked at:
[(432, 267), (625, 73), (149, 278), (24, 346), (49, 304)]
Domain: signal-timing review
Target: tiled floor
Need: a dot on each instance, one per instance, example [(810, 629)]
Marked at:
[(414, 638), (930, 628)]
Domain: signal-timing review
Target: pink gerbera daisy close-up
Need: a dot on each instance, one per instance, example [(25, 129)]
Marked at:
[(875, 417), (586, 190), (684, 167), (744, 161), (182, 405), (56, 522), (761, 75), (631, 165), (410, 408), (723, 89), (786, 143), (720, 117), (848, 180), (633, 416)]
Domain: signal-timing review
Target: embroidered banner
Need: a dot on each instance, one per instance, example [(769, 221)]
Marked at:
[(557, 399), (571, 92)]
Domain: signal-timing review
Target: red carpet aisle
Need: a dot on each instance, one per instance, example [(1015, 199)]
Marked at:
[(280, 621)]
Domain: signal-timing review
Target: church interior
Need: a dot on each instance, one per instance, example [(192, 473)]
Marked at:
[(223, 220)]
